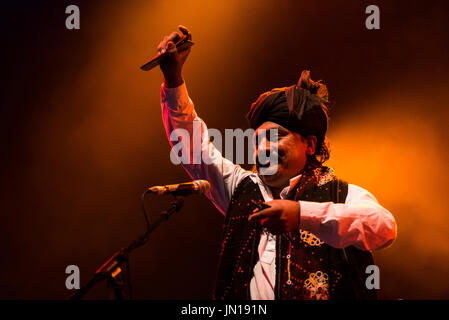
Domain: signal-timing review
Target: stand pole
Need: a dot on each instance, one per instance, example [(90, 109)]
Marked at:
[(112, 268)]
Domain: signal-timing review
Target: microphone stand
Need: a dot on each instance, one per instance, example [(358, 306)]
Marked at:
[(112, 270)]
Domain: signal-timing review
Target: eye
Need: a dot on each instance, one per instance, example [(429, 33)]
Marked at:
[(271, 135), (283, 133), (275, 135)]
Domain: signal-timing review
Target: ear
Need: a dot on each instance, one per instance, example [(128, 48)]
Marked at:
[(311, 144)]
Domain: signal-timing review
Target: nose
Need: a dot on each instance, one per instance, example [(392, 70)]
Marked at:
[(266, 154), (263, 145)]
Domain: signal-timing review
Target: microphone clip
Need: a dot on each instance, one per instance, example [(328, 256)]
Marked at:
[(175, 206)]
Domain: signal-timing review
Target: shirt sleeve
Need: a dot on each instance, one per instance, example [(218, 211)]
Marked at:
[(189, 139), (361, 221)]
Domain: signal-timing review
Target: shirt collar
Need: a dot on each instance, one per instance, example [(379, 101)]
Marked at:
[(293, 182)]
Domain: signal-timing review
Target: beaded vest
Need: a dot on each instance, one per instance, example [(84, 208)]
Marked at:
[(306, 267)]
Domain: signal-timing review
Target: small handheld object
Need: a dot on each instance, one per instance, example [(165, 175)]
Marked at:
[(260, 206), (263, 205), (181, 45)]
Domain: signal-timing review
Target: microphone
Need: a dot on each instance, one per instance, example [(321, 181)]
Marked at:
[(181, 45), (182, 189)]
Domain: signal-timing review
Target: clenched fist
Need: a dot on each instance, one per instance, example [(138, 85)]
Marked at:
[(172, 66)]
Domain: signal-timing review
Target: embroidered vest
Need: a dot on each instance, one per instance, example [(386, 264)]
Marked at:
[(306, 267)]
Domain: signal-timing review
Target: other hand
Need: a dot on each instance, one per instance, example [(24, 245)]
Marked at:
[(283, 216)]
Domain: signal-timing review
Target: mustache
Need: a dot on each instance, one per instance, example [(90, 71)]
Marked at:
[(268, 157)]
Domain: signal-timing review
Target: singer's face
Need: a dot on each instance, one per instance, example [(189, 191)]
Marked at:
[(285, 151)]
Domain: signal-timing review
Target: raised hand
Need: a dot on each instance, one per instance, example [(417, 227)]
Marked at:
[(172, 66)]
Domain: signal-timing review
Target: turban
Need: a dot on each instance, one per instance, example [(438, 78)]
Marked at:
[(301, 108)]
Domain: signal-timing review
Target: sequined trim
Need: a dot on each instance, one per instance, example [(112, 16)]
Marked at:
[(318, 285), (324, 177), (310, 238)]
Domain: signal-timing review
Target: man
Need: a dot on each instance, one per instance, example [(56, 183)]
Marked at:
[(298, 232)]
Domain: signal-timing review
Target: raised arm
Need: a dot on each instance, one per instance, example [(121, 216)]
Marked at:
[(181, 120)]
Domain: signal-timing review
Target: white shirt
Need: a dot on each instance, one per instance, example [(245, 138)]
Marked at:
[(360, 222)]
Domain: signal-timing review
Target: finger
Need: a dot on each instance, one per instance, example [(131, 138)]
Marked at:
[(171, 47), (261, 213), (262, 206), (185, 31), (174, 36)]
